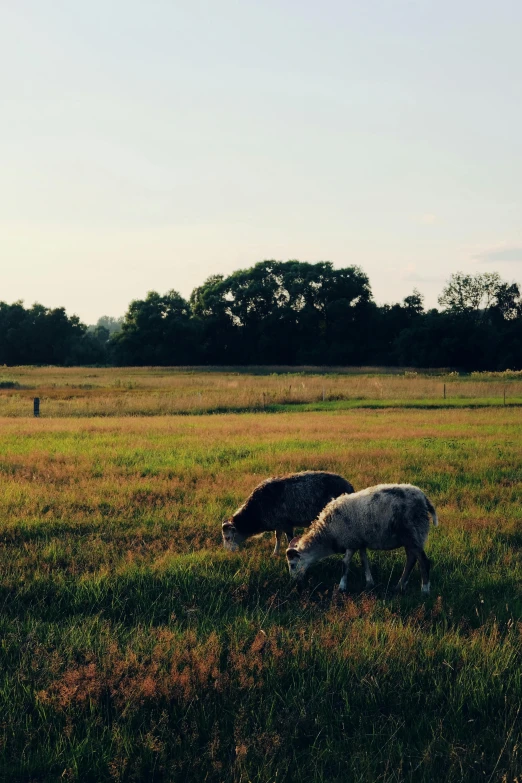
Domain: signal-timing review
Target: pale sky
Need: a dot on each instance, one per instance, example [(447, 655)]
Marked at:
[(147, 145)]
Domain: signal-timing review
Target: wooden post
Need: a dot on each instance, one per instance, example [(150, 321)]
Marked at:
[(504, 394), (36, 407), (263, 401), (444, 391)]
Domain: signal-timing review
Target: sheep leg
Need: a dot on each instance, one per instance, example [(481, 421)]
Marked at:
[(424, 565), (366, 565), (346, 564), (278, 537), (411, 559)]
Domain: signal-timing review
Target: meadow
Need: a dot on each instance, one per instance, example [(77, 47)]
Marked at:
[(133, 647), (146, 391)]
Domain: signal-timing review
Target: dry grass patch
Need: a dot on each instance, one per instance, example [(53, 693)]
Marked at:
[(149, 391)]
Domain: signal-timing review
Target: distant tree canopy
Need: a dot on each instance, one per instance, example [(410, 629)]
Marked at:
[(282, 313), (39, 335), (479, 328), (480, 294)]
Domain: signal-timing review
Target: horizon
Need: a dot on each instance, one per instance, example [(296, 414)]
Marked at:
[(121, 316)]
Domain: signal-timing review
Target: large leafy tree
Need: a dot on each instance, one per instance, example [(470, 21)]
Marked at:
[(157, 330), (277, 312)]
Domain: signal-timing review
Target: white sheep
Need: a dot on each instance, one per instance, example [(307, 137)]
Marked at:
[(387, 516)]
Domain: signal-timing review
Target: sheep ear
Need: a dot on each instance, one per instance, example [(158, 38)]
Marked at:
[(293, 542), (292, 554), (227, 525)]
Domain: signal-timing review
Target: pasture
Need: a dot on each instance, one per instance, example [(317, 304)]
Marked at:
[(153, 391), (133, 647)]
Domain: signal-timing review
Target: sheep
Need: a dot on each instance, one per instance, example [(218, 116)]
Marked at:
[(387, 516), (280, 504)]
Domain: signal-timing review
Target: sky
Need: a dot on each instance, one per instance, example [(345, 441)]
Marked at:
[(147, 145)]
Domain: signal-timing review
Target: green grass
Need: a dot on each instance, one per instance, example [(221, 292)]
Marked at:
[(340, 405), (133, 647)]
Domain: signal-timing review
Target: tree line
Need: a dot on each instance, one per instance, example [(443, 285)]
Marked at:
[(282, 313)]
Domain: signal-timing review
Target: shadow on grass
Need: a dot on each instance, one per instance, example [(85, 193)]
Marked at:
[(513, 540), (199, 592)]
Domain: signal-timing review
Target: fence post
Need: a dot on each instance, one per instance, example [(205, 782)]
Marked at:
[(444, 391), (36, 406), (504, 394)]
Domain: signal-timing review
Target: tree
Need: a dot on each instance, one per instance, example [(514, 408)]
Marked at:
[(108, 322), (156, 330), (414, 303), (277, 312), (472, 294), (38, 335), (508, 302)]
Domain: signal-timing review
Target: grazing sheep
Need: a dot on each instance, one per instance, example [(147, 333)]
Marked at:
[(282, 503), (387, 516)]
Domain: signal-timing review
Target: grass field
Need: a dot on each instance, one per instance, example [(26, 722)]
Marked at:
[(133, 647), (162, 391)]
